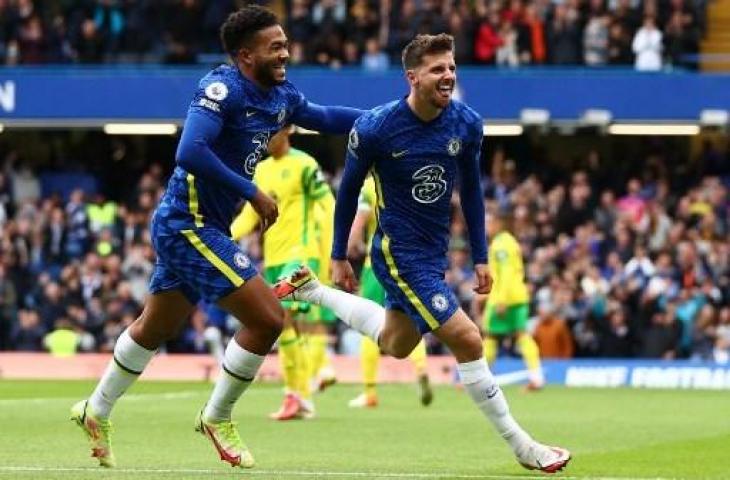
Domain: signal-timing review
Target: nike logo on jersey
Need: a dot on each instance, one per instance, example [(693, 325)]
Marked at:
[(399, 154), (250, 114)]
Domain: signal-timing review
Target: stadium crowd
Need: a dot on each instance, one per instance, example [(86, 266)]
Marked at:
[(622, 266), (649, 34)]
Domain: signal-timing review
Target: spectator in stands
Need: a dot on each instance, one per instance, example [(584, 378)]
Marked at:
[(27, 334), (25, 183), (534, 35), (52, 305), (141, 28), (7, 208), (616, 339), (8, 301), (647, 45), (54, 239), (89, 45), (619, 45), (722, 342), (182, 23), (552, 334), (487, 40), (137, 270), (102, 214), (563, 36), (363, 23), (661, 339), (65, 340), (374, 59), (595, 36), (703, 336), (507, 53), (109, 21), (462, 29)]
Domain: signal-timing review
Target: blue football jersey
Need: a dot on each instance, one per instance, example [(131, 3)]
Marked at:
[(415, 165), (248, 117)]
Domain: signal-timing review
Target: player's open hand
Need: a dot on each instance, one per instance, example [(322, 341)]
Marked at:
[(483, 279), (267, 209), (343, 275)]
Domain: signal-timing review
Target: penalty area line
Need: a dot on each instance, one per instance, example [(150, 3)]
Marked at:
[(303, 474)]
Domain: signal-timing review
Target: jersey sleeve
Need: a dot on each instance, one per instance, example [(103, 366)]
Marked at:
[(217, 97), (472, 196), (361, 151), (313, 182), (330, 119)]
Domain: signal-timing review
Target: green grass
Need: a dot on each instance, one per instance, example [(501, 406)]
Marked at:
[(612, 433)]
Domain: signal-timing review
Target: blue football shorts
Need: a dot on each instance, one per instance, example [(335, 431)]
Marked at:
[(413, 286), (201, 263)]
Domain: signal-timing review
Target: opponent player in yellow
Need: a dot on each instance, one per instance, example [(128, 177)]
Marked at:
[(316, 331), (507, 307), (293, 179), (361, 236)]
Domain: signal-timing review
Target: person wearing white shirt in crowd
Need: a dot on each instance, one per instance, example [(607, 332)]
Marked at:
[(647, 46)]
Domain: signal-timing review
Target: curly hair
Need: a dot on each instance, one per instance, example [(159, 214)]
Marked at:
[(425, 45), (242, 25)]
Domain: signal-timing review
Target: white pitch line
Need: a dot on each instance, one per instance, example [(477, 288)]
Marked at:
[(293, 473)]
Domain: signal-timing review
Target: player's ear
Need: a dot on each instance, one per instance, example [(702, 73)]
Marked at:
[(412, 78), (245, 56)]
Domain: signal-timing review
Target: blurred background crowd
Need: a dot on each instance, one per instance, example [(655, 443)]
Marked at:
[(649, 34), (632, 263)]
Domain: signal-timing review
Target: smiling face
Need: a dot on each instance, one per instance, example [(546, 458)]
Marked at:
[(267, 56), (433, 81)]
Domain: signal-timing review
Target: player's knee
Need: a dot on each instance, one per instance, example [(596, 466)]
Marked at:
[(400, 353), (396, 346), (472, 346), (150, 333)]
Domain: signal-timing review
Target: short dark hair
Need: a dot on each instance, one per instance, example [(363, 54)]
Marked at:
[(242, 25), (426, 45)]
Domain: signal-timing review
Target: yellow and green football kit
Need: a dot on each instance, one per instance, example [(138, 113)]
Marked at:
[(370, 288), (295, 181), (507, 309)]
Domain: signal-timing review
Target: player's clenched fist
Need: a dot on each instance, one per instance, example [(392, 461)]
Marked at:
[(343, 275), (266, 207)]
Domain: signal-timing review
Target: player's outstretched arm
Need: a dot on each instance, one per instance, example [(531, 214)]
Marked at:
[(357, 164), (472, 198), (329, 119), (195, 155)]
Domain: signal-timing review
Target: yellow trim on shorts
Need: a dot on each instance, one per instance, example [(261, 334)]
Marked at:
[(197, 242), (412, 297), (193, 204)]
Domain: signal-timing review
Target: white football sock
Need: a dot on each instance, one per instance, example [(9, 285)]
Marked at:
[(130, 359), (365, 316), (484, 391), (238, 370)]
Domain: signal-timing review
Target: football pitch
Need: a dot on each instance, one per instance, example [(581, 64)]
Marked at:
[(613, 434)]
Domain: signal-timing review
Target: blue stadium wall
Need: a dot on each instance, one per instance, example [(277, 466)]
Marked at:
[(157, 93)]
